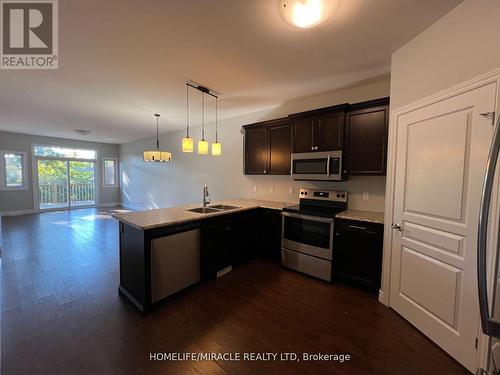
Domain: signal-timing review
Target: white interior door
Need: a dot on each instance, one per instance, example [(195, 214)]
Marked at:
[(440, 163)]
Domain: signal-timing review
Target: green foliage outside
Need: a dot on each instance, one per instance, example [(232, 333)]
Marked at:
[(54, 172)]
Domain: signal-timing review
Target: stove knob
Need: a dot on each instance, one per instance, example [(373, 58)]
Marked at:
[(305, 193), (338, 195), (301, 193), (343, 195)]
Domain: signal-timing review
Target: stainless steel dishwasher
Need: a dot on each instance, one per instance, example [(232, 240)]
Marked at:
[(175, 263)]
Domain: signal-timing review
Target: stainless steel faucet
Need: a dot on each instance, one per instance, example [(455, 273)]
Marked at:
[(206, 196)]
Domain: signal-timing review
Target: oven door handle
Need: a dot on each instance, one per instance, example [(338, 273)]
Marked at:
[(308, 217), (328, 165)]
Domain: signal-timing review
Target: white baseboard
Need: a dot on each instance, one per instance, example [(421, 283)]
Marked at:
[(381, 298), (17, 212), (31, 211), (111, 204)]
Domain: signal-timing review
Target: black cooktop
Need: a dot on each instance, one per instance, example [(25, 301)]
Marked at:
[(329, 212)]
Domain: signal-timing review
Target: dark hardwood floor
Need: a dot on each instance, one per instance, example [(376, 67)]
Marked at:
[(61, 313)]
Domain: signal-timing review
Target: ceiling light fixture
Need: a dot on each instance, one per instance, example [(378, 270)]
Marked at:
[(187, 141), (202, 144), (157, 156), (216, 146), (307, 13), (82, 131)]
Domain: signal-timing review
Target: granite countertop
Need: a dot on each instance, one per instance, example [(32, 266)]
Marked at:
[(368, 216), (162, 217)]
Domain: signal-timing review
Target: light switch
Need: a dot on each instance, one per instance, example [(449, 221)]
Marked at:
[(366, 196), (255, 189)]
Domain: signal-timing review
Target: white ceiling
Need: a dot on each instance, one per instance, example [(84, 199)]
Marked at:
[(123, 60)]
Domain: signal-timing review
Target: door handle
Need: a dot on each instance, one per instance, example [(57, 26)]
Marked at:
[(328, 166), (397, 227), (489, 326)]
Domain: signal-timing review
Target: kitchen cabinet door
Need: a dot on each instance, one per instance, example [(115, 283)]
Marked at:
[(303, 135), (280, 149), (256, 150), (319, 129), (218, 241), (248, 239), (357, 254), (270, 234), (329, 132), (366, 133)]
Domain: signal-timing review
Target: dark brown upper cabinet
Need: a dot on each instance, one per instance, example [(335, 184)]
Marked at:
[(268, 147), (366, 138), (319, 129)]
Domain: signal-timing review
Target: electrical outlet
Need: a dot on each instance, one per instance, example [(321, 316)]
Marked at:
[(271, 189), (255, 189), (366, 196), (290, 190)]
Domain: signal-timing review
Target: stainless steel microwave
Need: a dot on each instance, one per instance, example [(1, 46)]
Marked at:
[(322, 166)]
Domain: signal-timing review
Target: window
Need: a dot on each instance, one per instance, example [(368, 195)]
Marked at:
[(13, 168), (110, 171), (63, 152)]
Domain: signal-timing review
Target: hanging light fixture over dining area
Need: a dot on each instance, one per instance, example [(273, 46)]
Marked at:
[(157, 155)]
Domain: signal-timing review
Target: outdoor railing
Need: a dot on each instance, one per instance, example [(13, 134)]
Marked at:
[(50, 194)]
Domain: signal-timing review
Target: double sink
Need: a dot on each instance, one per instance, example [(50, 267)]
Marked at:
[(212, 209)]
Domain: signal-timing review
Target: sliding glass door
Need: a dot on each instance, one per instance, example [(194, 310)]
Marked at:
[(63, 180), (52, 184), (82, 183)]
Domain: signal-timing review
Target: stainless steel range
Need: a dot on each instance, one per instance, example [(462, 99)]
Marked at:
[(307, 234)]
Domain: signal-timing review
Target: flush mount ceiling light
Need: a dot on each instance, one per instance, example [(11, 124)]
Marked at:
[(157, 156), (82, 131), (307, 13)]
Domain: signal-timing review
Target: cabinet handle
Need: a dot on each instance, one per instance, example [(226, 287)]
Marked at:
[(357, 227), (312, 148), (265, 171)]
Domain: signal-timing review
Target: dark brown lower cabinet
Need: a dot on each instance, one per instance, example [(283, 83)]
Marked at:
[(357, 254), (269, 234), (219, 241)]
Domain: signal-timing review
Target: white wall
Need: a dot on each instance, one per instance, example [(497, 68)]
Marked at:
[(22, 200), (463, 44), (151, 185)]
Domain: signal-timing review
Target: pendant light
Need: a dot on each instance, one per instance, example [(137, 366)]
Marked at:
[(187, 141), (203, 144), (157, 156), (216, 146)]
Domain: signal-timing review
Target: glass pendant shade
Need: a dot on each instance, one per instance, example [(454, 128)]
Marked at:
[(187, 144), (157, 156), (307, 13), (203, 147), (216, 149)]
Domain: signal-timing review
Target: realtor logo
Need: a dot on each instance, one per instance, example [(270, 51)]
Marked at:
[(29, 37)]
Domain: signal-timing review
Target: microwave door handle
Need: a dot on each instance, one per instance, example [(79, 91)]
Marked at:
[(328, 166), (489, 326)]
